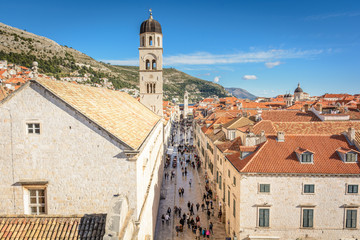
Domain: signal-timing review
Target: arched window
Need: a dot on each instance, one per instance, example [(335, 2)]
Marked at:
[(148, 87), (143, 41), (158, 41), (147, 64), (154, 64), (153, 87), (150, 41)]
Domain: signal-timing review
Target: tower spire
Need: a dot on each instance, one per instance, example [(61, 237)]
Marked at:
[(151, 17)]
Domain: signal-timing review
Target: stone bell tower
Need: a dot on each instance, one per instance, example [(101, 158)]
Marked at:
[(186, 104), (150, 65)]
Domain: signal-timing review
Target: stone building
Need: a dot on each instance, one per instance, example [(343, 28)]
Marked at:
[(150, 65), (72, 149), (186, 104)]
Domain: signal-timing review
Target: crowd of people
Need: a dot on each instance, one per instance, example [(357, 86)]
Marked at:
[(185, 157)]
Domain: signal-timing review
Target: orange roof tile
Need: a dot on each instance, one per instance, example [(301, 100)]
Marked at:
[(280, 157), (52, 227), (315, 128), (289, 116), (264, 125)]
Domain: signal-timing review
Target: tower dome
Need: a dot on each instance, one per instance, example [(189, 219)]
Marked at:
[(298, 89), (150, 25)]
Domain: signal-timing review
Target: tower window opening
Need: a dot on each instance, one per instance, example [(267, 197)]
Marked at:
[(148, 88), (143, 41), (153, 88), (150, 41), (147, 64), (158, 41), (154, 64)]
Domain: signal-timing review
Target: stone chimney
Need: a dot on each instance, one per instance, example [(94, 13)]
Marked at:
[(281, 136), (351, 135), (306, 107), (319, 107)]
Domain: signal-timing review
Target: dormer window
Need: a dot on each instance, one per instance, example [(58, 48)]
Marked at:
[(348, 155), (351, 157), (231, 134), (304, 155)]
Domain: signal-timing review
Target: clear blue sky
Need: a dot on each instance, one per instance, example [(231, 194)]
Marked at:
[(263, 46)]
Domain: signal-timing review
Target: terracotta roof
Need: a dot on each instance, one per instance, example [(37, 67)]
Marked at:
[(47, 227), (346, 150), (357, 137), (115, 111), (289, 116), (280, 157), (3, 93), (315, 128), (300, 150), (237, 123), (266, 126)]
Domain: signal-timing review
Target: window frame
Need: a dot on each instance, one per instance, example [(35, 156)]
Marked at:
[(351, 154), (346, 218), (352, 193), (311, 155), (302, 217), (304, 188), (264, 185), (27, 200), (33, 128), (258, 217)]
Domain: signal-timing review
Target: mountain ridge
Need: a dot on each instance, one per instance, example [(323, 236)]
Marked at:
[(22, 47)]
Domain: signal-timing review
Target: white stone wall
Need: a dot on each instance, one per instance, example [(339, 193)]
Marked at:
[(285, 200), (84, 166), (149, 176)]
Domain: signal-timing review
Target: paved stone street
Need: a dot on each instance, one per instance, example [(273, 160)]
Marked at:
[(194, 194)]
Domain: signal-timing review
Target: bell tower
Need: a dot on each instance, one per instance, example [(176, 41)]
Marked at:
[(150, 65)]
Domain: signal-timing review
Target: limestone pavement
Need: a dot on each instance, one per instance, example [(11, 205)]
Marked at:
[(194, 194)]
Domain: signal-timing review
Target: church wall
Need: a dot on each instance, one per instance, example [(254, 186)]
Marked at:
[(83, 165)]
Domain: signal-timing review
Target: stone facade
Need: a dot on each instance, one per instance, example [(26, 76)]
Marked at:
[(80, 166)]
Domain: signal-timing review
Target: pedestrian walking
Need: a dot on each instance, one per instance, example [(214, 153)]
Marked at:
[(169, 211), (211, 227), (163, 219), (167, 219), (179, 210), (208, 214), (202, 206), (190, 182), (197, 207), (207, 233), (189, 204)]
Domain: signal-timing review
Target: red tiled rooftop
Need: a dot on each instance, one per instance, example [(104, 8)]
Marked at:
[(315, 128), (289, 116), (280, 157)]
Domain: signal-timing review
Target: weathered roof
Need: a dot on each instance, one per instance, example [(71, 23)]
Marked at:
[(238, 122), (117, 112), (53, 227)]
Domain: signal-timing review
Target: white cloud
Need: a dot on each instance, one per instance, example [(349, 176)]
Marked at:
[(217, 79), (204, 58), (272, 64), (249, 77), (332, 15)]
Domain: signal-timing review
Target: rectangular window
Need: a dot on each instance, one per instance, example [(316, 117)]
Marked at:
[(309, 188), (217, 176), (352, 189), (264, 188), (37, 201), (228, 173), (308, 218), (306, 157), (264, 217), (220, 182), (229, 198), (351, 216), (351, 157), (234, 208), (234, 181), (33, 128)]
